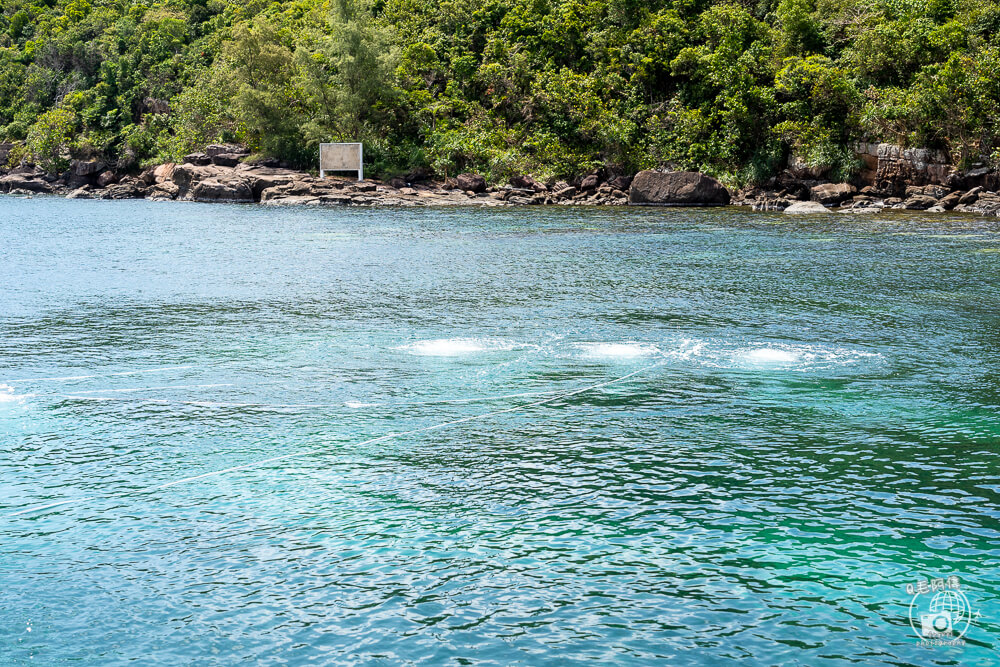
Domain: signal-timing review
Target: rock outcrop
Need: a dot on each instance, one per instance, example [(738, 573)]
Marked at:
[(890, 169), (829, 194), (677, 188), (26, 182), (471, 183)]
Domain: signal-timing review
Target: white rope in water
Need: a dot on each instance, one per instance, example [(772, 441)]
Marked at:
[(310, 452)]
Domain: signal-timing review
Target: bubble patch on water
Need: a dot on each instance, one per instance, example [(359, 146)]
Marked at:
[(453, 347), (765, 355), (623, 350), (772, 355), (801, 357), (7, 394)]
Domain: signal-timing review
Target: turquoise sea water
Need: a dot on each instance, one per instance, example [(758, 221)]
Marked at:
[(806, 421)]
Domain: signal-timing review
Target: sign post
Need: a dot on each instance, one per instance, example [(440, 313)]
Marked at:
[(341, 157)]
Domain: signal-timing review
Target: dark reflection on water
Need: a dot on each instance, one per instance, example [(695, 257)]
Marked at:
[(821, 429)]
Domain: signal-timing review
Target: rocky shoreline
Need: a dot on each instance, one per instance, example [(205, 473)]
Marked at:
[(894, 178)]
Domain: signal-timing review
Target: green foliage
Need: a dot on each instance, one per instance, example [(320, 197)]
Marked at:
[(551, 87), (50, 138)]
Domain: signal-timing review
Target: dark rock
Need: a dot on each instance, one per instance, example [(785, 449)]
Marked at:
[(164, 190), (525, 182), (130, 188), (829, 194), (106, 178), (678, 188), (5, 150), (769, 204), (23, 182), (590, 182), (621, 183), (418, 175), (471, 183), (982, 177), (75, 181), (87, 167), (565, 193), (919, 203), (935, 191), (227, 159), (950, 201), (235, 190), (398, 183), (970, 197), (200, 159)]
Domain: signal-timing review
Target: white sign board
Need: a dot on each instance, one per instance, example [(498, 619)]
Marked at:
[(341, 157)]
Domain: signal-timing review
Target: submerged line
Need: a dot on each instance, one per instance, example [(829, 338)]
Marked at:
[(132, 390), (371, 441), (80, 396)]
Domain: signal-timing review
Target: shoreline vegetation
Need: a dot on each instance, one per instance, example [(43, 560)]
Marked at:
[(766, 103), (743, 91)]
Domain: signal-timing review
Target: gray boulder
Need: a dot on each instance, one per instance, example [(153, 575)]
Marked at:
[(806, 208), (678, 188), (218, 149)]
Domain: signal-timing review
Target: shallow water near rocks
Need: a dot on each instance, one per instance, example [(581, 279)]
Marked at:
[(808, 421)]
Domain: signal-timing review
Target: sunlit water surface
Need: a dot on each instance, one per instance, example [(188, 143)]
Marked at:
[(809, 422)]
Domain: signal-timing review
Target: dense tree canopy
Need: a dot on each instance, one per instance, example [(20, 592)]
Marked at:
[(550, 87)]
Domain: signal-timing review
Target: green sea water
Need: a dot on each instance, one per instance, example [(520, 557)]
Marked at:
[(616, 436)]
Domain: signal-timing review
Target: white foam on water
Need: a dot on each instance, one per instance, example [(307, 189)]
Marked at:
[(801, 357), (453, 347), (772, 355), (686, 349), (359, 404), (7, 394), (624, 350)]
